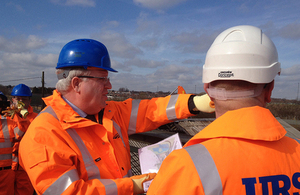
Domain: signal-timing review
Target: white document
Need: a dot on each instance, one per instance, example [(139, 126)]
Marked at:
[(152, 156)]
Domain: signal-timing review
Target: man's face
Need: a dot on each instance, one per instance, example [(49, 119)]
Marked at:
[(95, 90), (25, 99)]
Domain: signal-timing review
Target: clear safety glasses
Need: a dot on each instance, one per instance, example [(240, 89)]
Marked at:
[(105, 79)]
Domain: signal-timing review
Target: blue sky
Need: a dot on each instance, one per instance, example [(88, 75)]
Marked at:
[(155, 45)]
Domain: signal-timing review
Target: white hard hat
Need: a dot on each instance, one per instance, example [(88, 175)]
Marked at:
[(241, 53)]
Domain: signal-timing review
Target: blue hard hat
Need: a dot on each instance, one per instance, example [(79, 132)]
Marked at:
[(84, 53), (21, 90), (3, 97)]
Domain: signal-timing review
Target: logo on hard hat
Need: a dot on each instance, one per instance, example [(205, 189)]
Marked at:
[(78, 54), (226, 74)]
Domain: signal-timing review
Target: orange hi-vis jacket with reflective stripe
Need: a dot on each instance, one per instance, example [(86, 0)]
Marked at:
[(9, 134), (64, 153), (31, 115), (242, 152)]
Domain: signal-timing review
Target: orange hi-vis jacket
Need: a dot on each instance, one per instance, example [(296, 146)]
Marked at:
[(31, 115), (9, 134), (242, 152), (64, 153), (22, 181)]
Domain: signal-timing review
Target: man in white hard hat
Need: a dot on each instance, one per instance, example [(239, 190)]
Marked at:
[(245, 150)]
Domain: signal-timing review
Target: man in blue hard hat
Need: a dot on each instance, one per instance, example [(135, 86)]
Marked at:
[(79, 143), (10, 134), (21, 94)]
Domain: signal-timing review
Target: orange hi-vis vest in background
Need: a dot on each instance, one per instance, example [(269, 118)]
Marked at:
[(31, 115), (65, 153), (22, 181), (9, 134), (242, 152)]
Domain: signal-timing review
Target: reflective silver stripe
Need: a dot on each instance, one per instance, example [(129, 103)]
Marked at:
[(5, 156), (62, 183), (133, 116), (7, 142), (110, 186), (171, 112), (5, 129), (129, 174), (18, 131), (91, 168), (49, 110), (118, 129), (206, 169), (15, 159)]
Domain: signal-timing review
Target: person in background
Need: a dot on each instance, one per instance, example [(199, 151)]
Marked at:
[(79, 143), (21, 94), (4, 104), (245, 150), (10, 133)]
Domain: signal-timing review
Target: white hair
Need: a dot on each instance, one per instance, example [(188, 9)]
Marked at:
[(64, 85)]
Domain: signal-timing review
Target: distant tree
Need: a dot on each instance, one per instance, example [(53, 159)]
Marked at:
[(4, 90), (123, 89), (35, 90)]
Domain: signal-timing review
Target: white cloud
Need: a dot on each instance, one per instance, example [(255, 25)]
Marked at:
[(120, 66), (192, 61), (291, 74), (158, 4), (113, 23), (194, 42), (27, 60), (118, 45), (149, 43), (286, 85), (145, 24), (165, 79), (177, 72), (144, 63), (290, 31), (21, 44), (29, 67)]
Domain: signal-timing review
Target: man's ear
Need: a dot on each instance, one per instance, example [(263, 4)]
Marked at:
[(268, 91), (205, 86), (75, 83)]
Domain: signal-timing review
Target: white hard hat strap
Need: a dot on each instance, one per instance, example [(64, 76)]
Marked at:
[(223, 94)]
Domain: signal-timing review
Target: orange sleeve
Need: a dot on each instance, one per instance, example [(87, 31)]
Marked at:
[(144, 115)]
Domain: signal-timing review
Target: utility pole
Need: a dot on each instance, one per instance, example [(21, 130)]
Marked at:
[(43, 82), (298, 92), (43, 91)]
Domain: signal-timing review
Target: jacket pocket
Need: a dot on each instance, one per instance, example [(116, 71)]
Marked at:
[(37, 156)]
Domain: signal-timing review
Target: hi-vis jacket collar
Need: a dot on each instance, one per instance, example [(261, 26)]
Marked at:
[(236, 124)]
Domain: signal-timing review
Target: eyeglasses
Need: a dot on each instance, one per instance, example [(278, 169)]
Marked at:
[(105, 79)]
